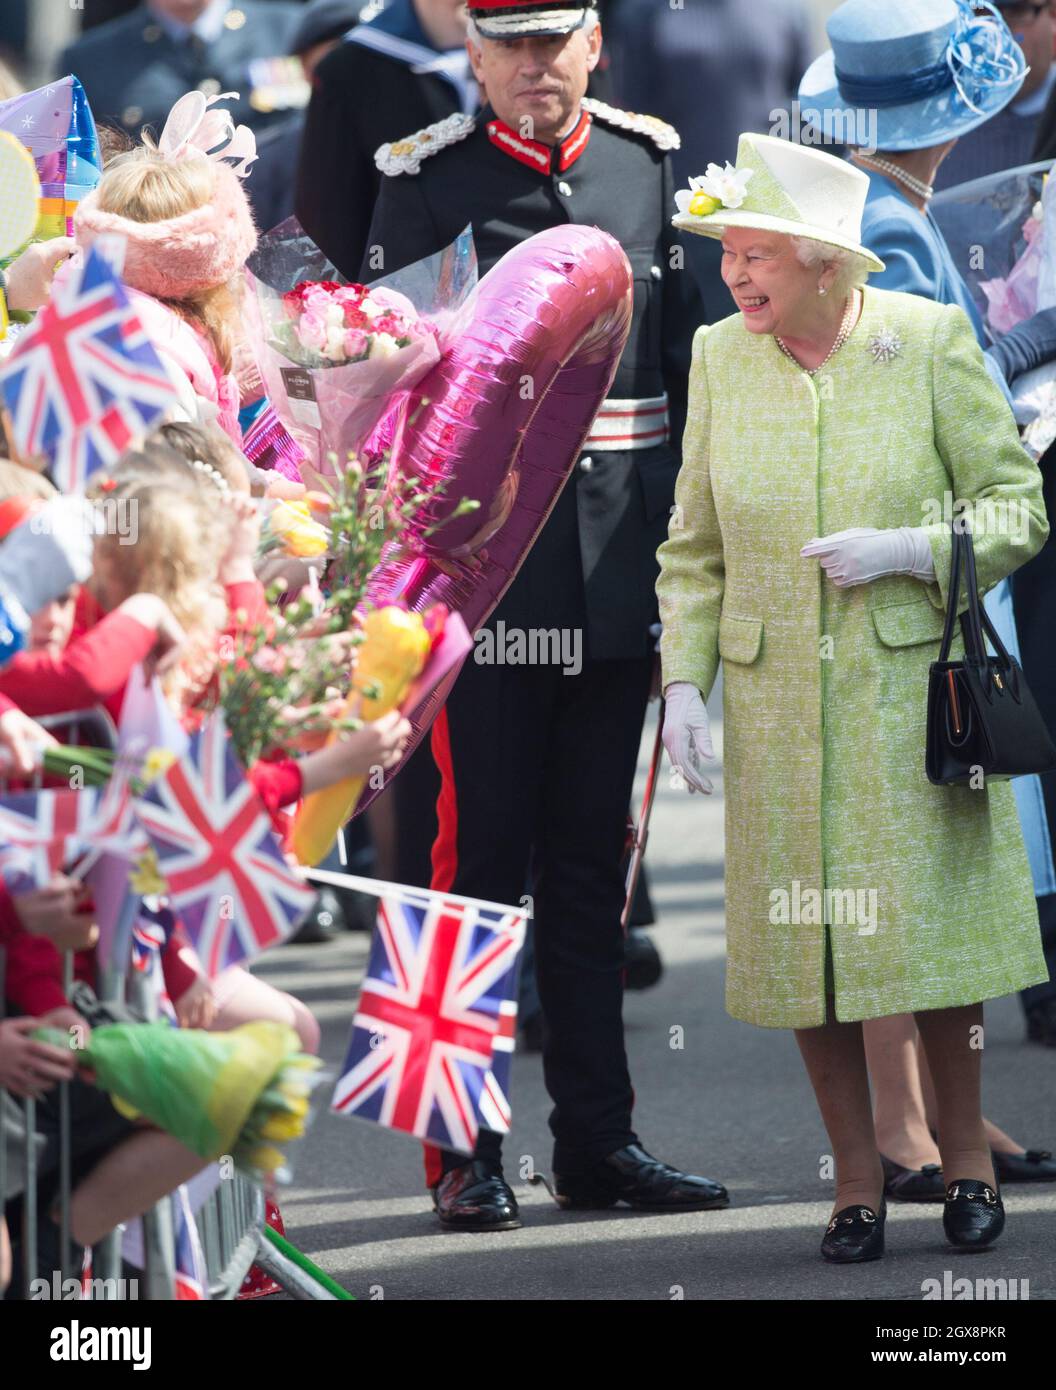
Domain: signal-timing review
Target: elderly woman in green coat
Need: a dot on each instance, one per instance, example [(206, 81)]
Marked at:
[(832, 431)]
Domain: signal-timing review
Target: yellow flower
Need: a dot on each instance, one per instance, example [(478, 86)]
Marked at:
[(701, 205), (300, 534), (157, 763), (280, 1127), (266, 1159), (146, 878), (295, 1104)]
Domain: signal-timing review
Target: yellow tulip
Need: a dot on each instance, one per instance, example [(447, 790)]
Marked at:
[(265, 1158), (300, 533), (394, 650), (701, 205), (282, 1127)]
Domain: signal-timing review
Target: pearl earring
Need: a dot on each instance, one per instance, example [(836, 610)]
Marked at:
[(822, 289)]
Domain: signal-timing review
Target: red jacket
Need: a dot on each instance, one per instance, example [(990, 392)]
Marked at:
[(94, 669)]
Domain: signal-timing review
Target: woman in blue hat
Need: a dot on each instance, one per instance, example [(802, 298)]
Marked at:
[(916, 75)]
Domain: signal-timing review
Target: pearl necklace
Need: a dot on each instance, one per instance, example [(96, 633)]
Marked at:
[(841, 338), (885, 166)]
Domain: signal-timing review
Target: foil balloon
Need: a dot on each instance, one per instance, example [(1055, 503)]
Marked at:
[(501, 419)]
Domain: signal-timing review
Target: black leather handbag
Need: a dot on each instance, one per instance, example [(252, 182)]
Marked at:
[(982, 717)]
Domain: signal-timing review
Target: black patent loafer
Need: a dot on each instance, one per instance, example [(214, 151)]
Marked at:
[(476, 1197), (974, 1215), (854, 1235), (913, 1184), (631, 1175), (1034, 1165)]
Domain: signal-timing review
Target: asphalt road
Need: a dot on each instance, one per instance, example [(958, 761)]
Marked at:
[(732, 1102)]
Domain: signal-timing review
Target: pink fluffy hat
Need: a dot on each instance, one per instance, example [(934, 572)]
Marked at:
[(180, 257)]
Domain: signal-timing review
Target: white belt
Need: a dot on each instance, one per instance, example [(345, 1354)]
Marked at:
[(629, 425)]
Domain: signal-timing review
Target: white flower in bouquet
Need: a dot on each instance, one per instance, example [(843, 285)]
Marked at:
[(383, 345)]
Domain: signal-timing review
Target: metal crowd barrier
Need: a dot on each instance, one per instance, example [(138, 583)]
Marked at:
[(231, 1223)]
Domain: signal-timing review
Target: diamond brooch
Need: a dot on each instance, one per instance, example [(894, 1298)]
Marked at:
[(885, 345)]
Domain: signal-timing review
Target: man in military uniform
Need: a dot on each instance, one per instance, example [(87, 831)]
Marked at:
[(538, 761), (405, 68), (135, 68)]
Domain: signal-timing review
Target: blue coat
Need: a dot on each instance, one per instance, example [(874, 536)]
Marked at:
[(918, 261)]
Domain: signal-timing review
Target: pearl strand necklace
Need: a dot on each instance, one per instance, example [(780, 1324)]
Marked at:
[(841, 338), (892, 170)]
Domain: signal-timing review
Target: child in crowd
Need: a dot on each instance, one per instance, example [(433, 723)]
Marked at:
[(188, 230)]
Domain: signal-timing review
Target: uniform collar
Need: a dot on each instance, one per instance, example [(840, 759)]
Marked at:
[(208, 26), (397, 32), (546, 159)]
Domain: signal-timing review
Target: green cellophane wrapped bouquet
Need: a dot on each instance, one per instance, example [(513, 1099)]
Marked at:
[(238, 1093)]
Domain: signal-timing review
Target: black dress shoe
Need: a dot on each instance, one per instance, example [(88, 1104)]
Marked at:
[(1035, 1165), (913, 1184), (1041, 1023), (854, 1235), (476, 1197), (631, 1175), (974, 1215), (642, 964)]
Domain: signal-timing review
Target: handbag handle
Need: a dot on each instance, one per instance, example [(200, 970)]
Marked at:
[(980, 617), (975, 620), (954, 595)]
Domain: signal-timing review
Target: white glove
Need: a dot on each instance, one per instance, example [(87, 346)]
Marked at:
[(49, 551), (687, 734), (864, 553)]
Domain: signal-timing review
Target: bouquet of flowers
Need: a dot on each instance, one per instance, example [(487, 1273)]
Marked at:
[(329, 324), (288, 685), (238, 1093), (337, 358)]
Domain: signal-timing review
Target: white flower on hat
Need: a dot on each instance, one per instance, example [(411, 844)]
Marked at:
[(716, 188)]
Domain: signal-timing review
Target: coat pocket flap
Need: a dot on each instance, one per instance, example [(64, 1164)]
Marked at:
[(905, 624), (740, 638)]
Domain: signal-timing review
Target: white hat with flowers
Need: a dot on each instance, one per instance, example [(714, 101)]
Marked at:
[(778, 186)]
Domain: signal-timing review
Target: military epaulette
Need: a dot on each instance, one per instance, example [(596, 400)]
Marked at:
[(664, 136), (405, 156)]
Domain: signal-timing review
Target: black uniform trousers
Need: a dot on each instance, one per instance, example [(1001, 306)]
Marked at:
[(538, 769)]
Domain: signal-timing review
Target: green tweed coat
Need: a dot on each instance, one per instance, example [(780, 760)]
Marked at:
[(825, 689)]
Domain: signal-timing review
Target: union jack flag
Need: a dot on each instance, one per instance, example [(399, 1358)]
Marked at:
[(84, 380), (223, 865), (149, 939), (150, 936), (41, 831), (192, 1281), (436, 1014)]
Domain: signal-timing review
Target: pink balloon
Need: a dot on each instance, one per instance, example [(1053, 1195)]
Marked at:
[(501, 419)]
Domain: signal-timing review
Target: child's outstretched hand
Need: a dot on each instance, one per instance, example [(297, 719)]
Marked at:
[(378, 744), (27, 1067), (22, 742), (196, 1006), (236, 565), (152, 611)]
